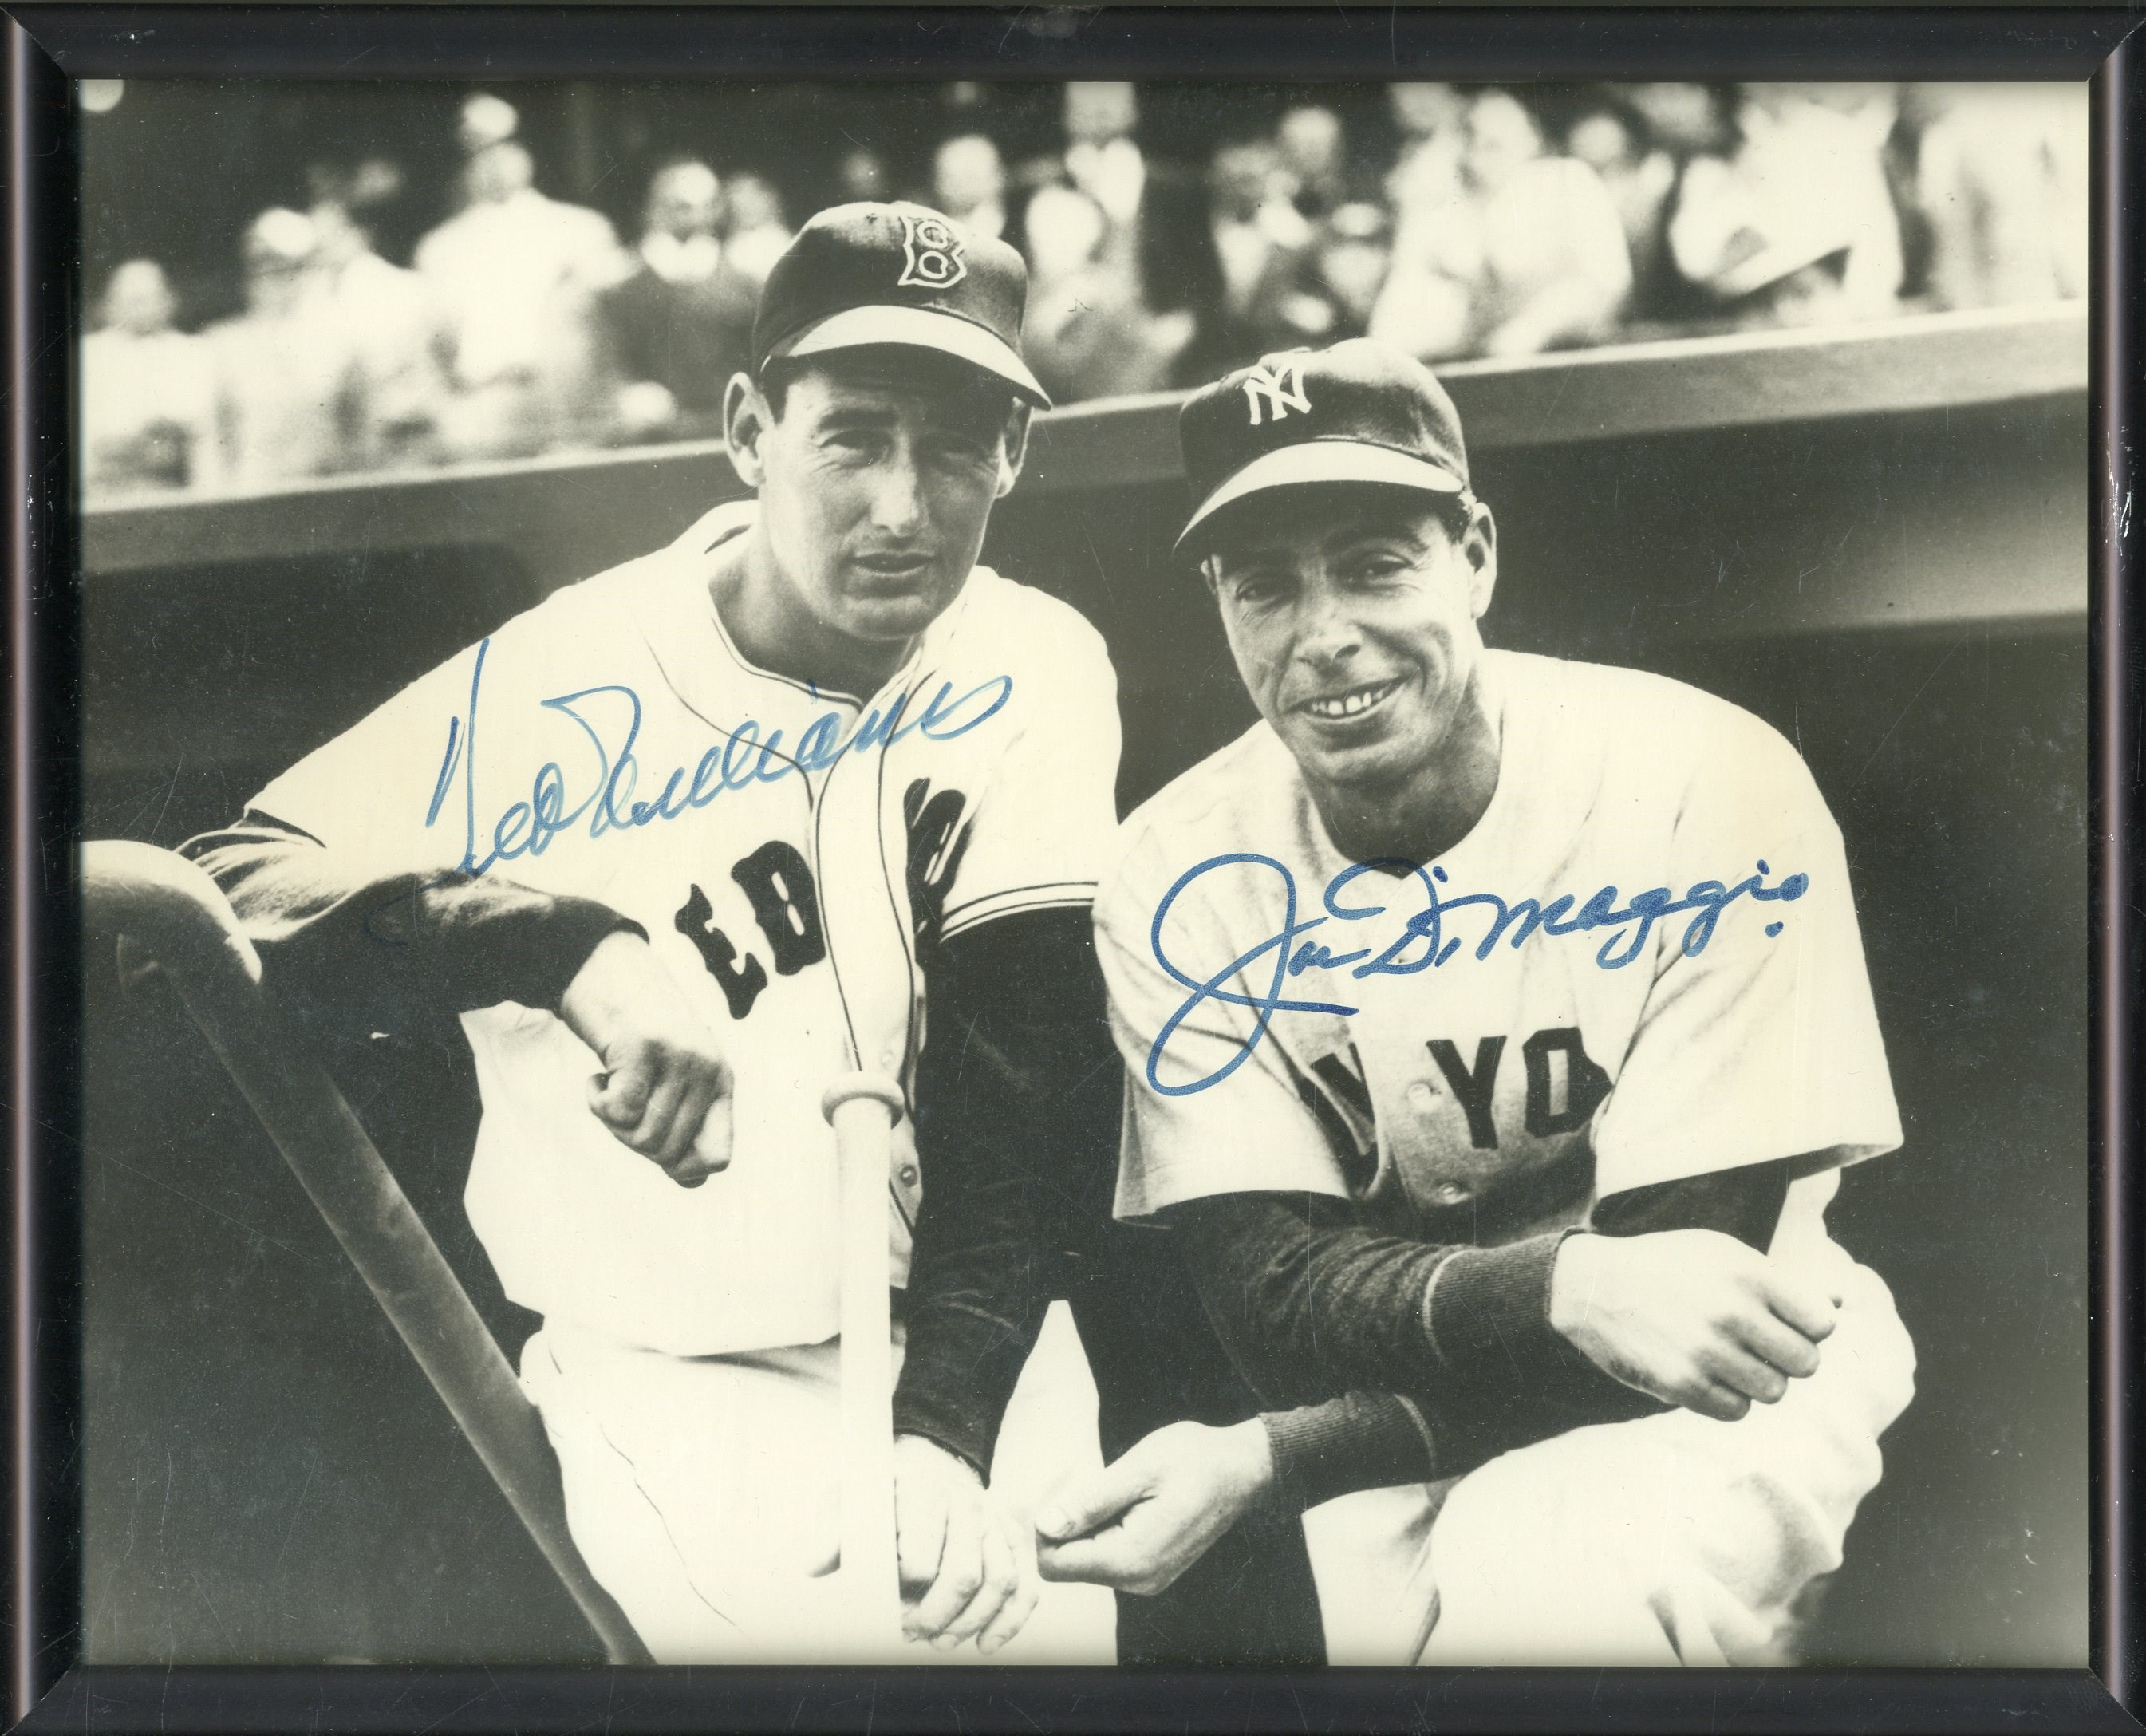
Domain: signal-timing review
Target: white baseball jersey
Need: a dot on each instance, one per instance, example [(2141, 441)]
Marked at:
[(794, 855), (1646, 943)]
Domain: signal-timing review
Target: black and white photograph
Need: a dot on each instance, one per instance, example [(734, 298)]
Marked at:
[(1139, 873)]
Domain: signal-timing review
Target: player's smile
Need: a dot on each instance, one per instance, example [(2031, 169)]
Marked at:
[(1352, 706), (895, 571)]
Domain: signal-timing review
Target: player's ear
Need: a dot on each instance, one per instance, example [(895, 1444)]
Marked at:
[(1013, 447), (747, 418), (1479, 547)]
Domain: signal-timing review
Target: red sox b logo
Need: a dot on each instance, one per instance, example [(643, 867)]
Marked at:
[(931, 254)]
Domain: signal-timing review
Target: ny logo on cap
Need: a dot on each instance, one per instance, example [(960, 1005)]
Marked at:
[(1282, 388), (931, 254)]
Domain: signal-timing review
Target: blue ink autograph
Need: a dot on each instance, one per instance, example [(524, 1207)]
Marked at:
[(1424, 942), (739, 761)]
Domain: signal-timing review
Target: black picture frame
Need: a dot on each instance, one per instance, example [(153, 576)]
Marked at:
[(47, 45)]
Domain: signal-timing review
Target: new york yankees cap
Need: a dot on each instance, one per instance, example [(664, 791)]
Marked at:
[(1358, 412), (870, 273)]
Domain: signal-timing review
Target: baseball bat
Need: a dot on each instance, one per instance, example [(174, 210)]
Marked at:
[(862, 1108), (161, 905)]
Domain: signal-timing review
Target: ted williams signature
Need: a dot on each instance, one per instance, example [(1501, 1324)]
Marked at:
[(1424, 942), (738, 759)]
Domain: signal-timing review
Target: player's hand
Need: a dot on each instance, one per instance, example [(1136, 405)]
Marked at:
[(1142, 1520), (1690, 1316), (968, 1570), (666, 1089)]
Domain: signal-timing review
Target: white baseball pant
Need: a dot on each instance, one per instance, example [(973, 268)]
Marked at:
[(704, 1491), (1671, 1540)]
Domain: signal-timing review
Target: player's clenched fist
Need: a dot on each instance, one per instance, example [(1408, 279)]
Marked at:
[(1690, 1316), (968, 1571), (665, 1091)]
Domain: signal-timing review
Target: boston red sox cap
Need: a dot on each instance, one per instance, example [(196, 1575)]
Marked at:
[(896, 274), (1358, 412)]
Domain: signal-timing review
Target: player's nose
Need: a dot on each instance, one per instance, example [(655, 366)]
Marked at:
[(897, 497), (1327, 633)]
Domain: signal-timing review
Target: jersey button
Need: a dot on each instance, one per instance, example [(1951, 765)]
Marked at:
[(908, 1174), (1447, 1193)]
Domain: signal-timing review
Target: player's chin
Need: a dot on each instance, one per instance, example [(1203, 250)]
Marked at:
[(1371, 753), (884, 611)]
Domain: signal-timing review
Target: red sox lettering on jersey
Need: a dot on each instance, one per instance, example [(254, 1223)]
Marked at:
[(794, 855)]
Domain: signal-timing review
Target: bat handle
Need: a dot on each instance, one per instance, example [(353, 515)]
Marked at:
[(862, 1108)]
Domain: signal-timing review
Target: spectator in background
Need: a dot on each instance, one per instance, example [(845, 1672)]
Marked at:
[(969, 184), (862, 175), (1641, 178), (2001, 179), (485, 120), (1088, 334), (1102, 159), (1531, 257), (288, 385), (1263, 297), (1421, 301), (1350, 260), (1155, 237), (1683, 122), (1425, 180), (755, 235), (516, 276), (1794, 224), (682, 324), (146, 390), (1314, 160), (383, 314)]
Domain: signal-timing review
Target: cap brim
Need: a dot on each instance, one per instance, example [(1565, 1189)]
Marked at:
[(1325, 461), (923, 328)]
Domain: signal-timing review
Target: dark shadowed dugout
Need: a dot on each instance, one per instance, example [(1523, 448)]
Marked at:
[(1877, 540)]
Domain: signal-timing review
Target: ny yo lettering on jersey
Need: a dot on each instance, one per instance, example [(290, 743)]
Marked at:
[(1585, 1084), (1472, 1087)]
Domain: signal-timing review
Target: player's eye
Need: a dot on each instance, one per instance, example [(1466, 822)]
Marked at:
[(962, 450), (1374, 566)]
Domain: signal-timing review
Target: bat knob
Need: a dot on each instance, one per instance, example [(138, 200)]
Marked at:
[(877, 1087)]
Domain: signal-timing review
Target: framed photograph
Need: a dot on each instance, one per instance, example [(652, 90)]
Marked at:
[(969, 868)]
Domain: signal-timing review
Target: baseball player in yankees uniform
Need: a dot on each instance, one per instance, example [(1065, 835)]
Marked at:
[(1497, 1027), (687, 841)]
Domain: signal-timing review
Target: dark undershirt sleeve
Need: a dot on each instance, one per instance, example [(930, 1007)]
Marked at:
[(1018, 1095), (1404, 1361), (353, 953)]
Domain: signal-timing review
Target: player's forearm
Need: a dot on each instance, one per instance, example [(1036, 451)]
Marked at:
[(345, 949), (1017, 1100), (1312, 1307)]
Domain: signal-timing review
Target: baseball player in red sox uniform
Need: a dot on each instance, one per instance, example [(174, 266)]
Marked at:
[(1497, 1028), (685, 843)]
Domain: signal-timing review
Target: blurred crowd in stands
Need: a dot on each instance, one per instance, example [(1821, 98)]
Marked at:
[(1492, 222)]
